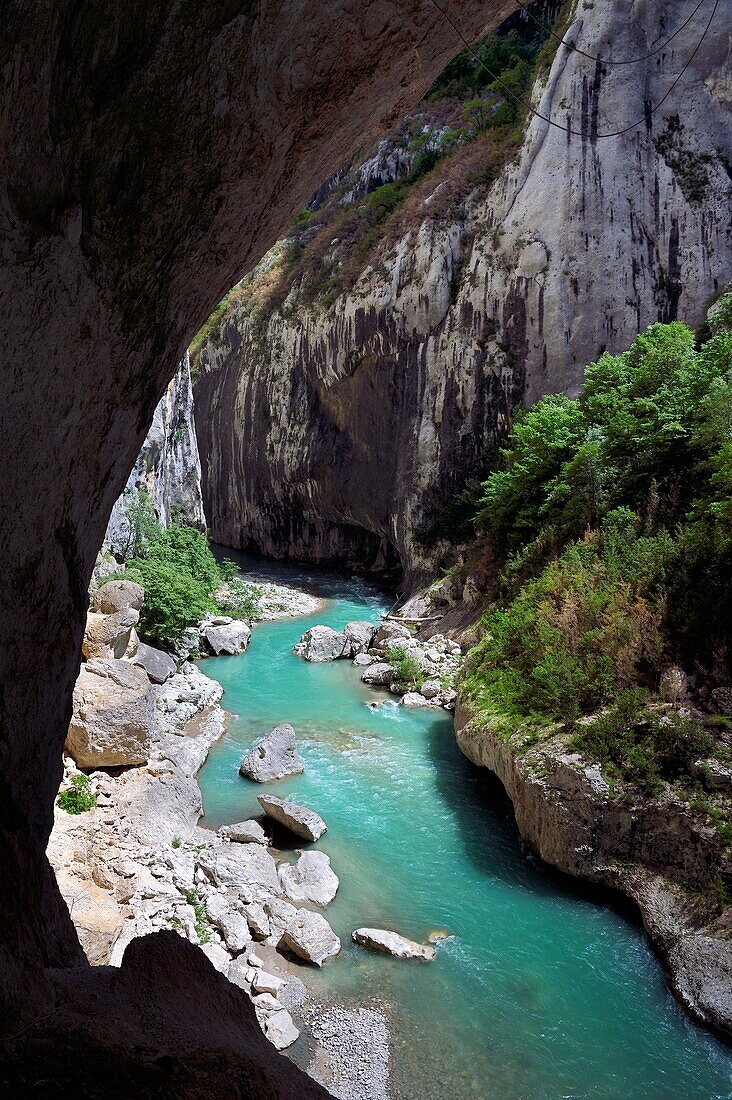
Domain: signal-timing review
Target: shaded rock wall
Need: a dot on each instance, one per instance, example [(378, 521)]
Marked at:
[(168, 467), (657, 851), (335, 433), (152, 153)]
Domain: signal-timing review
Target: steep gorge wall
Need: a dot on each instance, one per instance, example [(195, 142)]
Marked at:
[(168, 467), (337, 432)]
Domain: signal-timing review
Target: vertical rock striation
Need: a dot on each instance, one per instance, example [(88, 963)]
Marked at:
[(336, 429), (168, 467)]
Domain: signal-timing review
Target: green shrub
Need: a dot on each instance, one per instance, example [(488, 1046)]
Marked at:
[(78, 798), (202, 926), (177, 842), (640, 747), (180, 576), (406, 667), (586, 628), (241, 600)]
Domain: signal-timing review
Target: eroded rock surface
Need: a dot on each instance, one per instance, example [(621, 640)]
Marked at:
[(391, 943), (657, 851), (382, 397), (273, 757), (298, 819)]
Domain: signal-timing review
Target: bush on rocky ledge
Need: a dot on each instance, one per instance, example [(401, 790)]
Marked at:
[(180, 576), (609, 524)]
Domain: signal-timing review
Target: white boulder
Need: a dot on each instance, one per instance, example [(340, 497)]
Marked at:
[(112, 715), (273, 757), (244, 832), (298, 819), (360, 635), (310, 937), (311, 879), (379, 673), (226, 636), (391, 943), (413, 699), (322, 643), (245, 866)]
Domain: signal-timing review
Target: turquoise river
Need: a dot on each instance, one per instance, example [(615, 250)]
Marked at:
[(542, 991)]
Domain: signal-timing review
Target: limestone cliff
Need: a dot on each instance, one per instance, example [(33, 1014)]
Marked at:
[(337, 417), (659, 852), (168, 467)]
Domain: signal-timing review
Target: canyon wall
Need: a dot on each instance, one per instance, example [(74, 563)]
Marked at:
[(168, 467), (337, 425), (152, 153)]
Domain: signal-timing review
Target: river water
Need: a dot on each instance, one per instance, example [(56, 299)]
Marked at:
[(542, 991)]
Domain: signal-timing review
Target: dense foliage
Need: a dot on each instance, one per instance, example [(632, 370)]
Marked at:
[(610, 517), (180, 575)]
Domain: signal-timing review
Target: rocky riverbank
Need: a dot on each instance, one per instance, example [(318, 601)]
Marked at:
[(660, 852), (135, 860), (422, 673)]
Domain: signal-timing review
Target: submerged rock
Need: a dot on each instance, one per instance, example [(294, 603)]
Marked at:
[(391, 943), (273, 757), (298, 819), (310, 879), (310, 937), (322, 643)]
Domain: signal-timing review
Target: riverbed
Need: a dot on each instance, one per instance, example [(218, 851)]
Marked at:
[(541, 990)]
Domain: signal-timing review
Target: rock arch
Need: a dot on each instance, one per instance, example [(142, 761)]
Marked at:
[(151, 153)]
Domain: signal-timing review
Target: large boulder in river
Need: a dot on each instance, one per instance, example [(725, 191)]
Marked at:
[(224, 635), (310, 937), (273, 757), (311, 879), (391, 943), (360, 635), (117, 596), (158, 665), (379, 673), (298, 819), (390, 634), (322, 643), (112, 715)]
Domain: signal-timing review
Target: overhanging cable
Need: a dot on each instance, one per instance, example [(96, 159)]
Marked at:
[(606, 60), (546, 118)]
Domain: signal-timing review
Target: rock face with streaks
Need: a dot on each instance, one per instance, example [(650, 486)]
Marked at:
[(168, 467), (379, 404), (657, 851)]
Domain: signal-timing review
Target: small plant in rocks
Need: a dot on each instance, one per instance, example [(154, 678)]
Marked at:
[(77, 798)]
